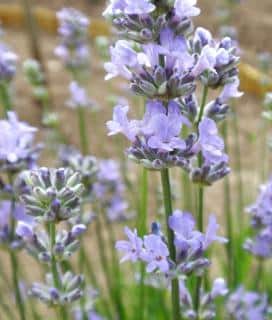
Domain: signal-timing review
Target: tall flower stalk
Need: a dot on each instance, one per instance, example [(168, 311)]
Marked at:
[(52, 196), (165, 60)]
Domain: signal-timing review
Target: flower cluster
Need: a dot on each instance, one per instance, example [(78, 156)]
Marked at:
[(244, 304), (73, 29), (207, 301), (52, 195), (190, 244), (38, 244), (70, 290), (165, 60), (261, 220), (157, 142), (17, 149)]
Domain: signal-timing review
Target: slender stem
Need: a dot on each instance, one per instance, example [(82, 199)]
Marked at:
[(200, 201), (259, 275), (14, 263), (142, 227), (5, 97), (84, 144), (170, 235), (240, 202), (203, 103), (54, 269), (15, 280)]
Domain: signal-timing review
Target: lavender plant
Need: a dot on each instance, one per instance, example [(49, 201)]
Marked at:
[(165, 60), (17, 152), (75, 54), (52, 196)]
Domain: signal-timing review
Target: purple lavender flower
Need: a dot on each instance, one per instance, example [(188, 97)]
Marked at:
[(8, 215), (261, 244), (156, 138), (16, 144), (249, 305), (211, 144), (190, 243), (186, 8), (73, 29), (79, 97), (8, 61), (130, 7), (261, 210), (132, 248), (207, 308), (155, 254)]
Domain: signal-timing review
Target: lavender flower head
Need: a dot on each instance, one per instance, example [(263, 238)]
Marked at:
[(79, 97), (51, 194), (73, 30), (249, 305), (17, 149), (8, 61), (190, 247), (207, 308), (261, 220)]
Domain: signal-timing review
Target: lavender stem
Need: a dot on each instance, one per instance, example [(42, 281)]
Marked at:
[(168, 212)]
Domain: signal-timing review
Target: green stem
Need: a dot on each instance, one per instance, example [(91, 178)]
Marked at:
[(228, 215), (170, 235), (5, 97), (142, 227), (15, 280), (54, 269), (259, 275), (200, 201), (203, 103), (105, 266), (84, 144), (240, 202), (15, 264)]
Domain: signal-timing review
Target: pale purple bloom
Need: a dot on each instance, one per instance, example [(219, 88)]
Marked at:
[(210, 234), (121, 124), (16, 143), (72, 23), (186, 8), (191, 243), (8, 61), (123, 58), (25, 230), (79, 97), (261, 244), (138, 7), (248, 305), (132, 248), (219, 288), (261, 210), (206, 61), (212, 146), (155, 253), (73, 29), (231, 90)]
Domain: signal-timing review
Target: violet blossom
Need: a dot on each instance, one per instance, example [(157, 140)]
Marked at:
[(17, 149)]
